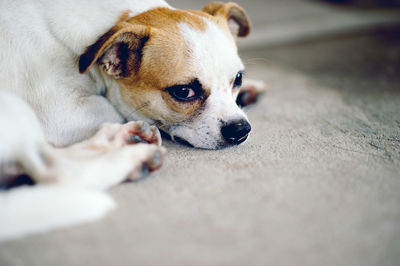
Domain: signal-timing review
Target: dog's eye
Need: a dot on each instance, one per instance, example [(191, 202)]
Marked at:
[(188, 92), (182, 93), (238, 80)]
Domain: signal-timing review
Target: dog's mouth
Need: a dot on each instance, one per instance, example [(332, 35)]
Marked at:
[(164, 134)]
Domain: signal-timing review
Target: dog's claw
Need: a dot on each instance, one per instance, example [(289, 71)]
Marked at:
[(156, 160), (145, 172), (156, 135)]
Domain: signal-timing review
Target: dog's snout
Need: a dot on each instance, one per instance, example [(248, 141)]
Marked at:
[(235, 132)]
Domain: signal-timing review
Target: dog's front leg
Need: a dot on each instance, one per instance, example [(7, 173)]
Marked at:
[(250, 91), (114, 154)]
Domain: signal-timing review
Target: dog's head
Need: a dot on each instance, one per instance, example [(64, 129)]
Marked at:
[(178, 69)]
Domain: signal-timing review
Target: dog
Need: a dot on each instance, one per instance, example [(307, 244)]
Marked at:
[(85, 86)]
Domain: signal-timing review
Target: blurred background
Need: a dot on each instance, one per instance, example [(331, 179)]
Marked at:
[(277, 22)]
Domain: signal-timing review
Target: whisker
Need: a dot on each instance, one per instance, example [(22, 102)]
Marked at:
[(130, 116)]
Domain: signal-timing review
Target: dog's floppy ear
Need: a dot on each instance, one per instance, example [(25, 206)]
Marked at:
[(238, 21), (118, 52)]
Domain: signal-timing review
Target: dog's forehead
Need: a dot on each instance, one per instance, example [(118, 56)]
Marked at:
[(212, 52), (186, 45)]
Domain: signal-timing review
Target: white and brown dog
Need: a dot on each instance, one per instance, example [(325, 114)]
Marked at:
[(69, 67)]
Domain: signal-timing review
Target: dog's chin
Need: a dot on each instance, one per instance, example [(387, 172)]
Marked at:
[(204, 146), (195, 144)]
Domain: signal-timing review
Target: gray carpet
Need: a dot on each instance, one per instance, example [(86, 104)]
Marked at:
[(317, 183)]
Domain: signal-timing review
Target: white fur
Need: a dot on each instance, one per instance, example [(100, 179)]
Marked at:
[(216, 64), (25, 211)]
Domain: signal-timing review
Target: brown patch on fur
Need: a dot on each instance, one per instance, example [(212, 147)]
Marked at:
[(160, 62)]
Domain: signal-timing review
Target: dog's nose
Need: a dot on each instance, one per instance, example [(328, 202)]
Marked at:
[(235, 132)]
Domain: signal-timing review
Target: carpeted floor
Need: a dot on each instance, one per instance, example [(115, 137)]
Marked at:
[(316, 184)]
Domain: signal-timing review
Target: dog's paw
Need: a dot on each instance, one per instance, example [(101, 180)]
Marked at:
[(250, 91), (145, 159), (141, 132), (109, 167), (117, 135)]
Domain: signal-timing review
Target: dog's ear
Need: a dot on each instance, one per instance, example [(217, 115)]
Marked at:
[(238, 21), (118, 52)]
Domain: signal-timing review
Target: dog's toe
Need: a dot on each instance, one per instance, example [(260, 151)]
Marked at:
[(142, 132), (156, 160), (151, 159)]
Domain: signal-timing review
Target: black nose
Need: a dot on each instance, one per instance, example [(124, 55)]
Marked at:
[(235, 132)]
